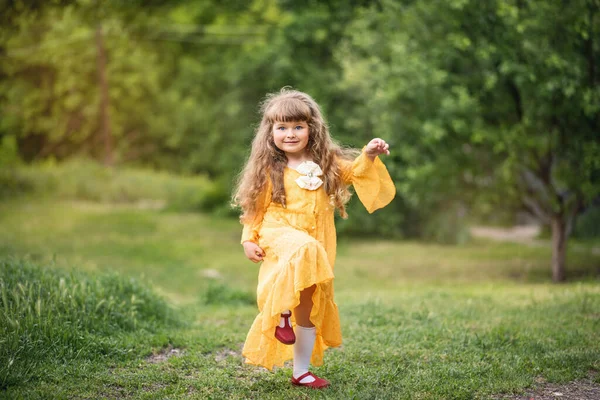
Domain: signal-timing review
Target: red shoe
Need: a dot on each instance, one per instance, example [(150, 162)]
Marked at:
[(318, 383), (286, 334)]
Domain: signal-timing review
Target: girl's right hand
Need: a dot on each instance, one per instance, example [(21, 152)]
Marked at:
[(253, 252)]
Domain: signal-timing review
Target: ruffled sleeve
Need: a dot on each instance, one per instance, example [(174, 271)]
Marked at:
[(371, 181), (252, 227)]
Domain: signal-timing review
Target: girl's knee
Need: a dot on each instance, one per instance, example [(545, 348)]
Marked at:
[(306, 296), (309, 290)]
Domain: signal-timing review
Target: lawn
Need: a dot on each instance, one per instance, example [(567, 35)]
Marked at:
[(420, 321)]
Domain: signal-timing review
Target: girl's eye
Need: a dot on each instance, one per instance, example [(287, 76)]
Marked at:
[(281, 128), (299, 127)]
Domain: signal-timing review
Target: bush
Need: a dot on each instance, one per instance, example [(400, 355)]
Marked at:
[(387, 222), (447, 226), (587, 225), (90, 181), (15, 182), (50, 315)]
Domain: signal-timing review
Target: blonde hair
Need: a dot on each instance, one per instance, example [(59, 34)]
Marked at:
[(267, 161)]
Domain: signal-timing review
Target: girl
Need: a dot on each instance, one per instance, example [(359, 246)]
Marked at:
[(294, 179)]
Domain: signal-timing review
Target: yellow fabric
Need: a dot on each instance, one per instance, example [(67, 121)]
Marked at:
[(300, 246)]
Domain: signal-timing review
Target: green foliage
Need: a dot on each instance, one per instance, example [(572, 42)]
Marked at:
[(9, 152), (14, 182), (587, 225), (486, 106), (51, 90), (447, 226), (489, 108), (52, 316), (388, 222), (88, 180), (395, 80)]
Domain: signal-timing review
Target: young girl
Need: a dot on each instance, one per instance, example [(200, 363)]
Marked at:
[(295, 178)]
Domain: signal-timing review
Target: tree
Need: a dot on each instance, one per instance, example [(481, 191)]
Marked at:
[(499, 96), (544, 63), (52, 101)]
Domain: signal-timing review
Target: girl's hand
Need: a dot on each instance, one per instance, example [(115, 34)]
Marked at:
[(376, 147), (253, 252)]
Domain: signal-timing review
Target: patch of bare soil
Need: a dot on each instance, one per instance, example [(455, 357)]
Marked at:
[(163, 355), (223, 354), (227, 352), (578, 390)]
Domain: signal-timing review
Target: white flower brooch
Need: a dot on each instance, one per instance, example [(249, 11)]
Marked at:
[(311, 172)]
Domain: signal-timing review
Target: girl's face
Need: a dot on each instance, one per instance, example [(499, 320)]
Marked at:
[(291, 137)]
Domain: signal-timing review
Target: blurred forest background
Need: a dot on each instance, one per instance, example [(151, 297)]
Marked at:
[(491, 109)]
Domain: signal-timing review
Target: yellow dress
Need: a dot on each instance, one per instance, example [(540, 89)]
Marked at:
[(300, 246)]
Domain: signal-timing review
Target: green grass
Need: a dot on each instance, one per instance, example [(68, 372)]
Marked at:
[(419, 321), (49, 316)]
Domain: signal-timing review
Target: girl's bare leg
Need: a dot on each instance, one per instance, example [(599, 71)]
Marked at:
[(302, 311)]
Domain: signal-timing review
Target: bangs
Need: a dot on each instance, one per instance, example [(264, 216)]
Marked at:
[(287, 110)]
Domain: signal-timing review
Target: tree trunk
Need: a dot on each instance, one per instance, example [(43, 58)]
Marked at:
[(104, 99), (559, 248)]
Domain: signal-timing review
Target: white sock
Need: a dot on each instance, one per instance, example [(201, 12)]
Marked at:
[(305, 342), (282, 320)]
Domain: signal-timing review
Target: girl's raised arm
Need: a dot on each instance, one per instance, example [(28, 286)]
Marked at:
[(371, 180)]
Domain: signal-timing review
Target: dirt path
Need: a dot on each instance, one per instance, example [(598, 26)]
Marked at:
[(519, 233), (577, 390), (525, 234)]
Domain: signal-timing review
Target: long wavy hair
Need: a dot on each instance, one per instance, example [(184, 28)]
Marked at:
[(267, 161)]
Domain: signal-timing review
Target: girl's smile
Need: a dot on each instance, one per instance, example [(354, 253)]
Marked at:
[(291, 137)]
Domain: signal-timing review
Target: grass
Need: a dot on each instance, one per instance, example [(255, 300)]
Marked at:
[(419, 321), (49, 316)]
